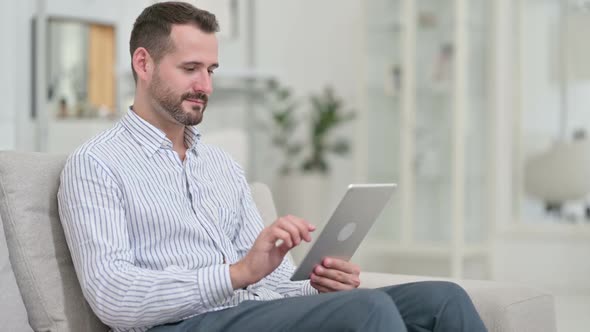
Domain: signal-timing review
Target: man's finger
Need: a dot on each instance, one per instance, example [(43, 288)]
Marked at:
[(310, 227), (280, 234), (341, 265), (345, 278), (320, 288), (303, 226), (286, 225), (334, 275), (329, 283)]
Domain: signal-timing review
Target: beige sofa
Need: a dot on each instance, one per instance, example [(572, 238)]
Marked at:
[(47, 285)]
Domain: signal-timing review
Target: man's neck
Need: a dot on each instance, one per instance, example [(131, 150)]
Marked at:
[(172, 129)]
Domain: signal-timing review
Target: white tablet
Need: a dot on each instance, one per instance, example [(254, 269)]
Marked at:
[(349, 224)]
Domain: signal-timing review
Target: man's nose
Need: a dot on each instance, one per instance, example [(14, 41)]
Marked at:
[(203, 83)]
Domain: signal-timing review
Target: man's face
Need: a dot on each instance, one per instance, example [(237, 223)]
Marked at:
[(181, 82)]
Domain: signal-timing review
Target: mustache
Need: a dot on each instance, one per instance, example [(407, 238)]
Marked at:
[(197, 96)]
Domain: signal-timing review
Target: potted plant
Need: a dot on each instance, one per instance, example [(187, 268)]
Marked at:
[(282, 124), (307, 153), (326, 115)]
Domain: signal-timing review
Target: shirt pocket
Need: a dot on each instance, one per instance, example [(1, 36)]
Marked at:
[(228, 221)]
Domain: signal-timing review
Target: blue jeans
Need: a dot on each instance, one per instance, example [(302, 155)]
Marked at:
[(415, 307)]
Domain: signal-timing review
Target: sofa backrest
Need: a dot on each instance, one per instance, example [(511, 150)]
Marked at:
[(37, 247), (13, 314)]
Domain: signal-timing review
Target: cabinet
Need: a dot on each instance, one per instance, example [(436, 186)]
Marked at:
[(427, 127)]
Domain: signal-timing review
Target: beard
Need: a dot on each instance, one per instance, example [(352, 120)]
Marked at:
[(171, 102)]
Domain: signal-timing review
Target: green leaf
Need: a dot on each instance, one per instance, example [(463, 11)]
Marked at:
[(340, 147), (294, 149)]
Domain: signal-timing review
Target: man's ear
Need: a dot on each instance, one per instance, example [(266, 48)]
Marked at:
[(143, 64)]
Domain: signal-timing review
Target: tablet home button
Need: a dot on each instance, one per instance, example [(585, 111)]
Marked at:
[(346, 231)]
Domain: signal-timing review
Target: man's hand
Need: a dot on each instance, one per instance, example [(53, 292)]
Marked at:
[(335, 275), (269, 249)]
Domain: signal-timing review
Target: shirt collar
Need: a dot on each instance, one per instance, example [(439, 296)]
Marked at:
[(152, 138), (192, 136)]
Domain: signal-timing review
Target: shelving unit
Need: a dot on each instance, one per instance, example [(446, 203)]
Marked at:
[(430, 132)]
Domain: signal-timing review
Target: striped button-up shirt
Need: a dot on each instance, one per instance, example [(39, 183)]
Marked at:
[(152, 236)]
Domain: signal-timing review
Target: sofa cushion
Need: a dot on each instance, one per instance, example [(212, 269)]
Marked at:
[(38, 251), (502, 306), (13, 314), (264, 202)]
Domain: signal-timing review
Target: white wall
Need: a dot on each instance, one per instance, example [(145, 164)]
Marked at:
[(540, 75), (503, 108), (21, 42), (7, 79), (309, 44)]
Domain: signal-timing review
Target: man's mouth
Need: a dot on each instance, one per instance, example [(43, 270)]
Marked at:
[(196, 101)]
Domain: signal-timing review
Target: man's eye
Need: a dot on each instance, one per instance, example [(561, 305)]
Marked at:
[(190, 70), (211, 72)]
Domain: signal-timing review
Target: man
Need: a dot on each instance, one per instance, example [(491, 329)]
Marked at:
[(165, 236)]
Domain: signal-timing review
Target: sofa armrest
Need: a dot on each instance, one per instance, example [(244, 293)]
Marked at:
[(504, 307)]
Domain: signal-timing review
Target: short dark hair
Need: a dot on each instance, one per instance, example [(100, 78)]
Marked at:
[(152, 27)]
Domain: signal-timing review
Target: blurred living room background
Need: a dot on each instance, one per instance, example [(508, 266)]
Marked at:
[(479, 110)]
